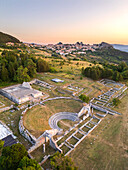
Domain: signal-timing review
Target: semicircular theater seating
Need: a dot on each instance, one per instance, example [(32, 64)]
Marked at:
[(53, 121)]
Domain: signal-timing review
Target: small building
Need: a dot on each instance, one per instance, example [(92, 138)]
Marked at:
[(6, 135), (57, 80), (9, 141), (20, 93)]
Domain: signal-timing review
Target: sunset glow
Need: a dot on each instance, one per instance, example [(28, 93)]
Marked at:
[(51, 21)]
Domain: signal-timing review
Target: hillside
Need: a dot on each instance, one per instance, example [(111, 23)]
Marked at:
[(4, 38), (120, 47), (108, 55)]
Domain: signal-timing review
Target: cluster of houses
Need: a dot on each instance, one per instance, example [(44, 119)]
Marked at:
[(65, 49), (77, 48)]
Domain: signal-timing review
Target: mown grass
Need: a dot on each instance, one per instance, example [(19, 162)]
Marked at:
[(36, 119)]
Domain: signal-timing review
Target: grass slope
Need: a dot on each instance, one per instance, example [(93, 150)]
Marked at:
[(109, 55)]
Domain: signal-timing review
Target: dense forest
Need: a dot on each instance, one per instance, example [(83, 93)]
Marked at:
[(4, 38), (20, 67), (111, 71)]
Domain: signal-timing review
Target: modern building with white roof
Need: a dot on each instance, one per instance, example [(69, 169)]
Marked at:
[(58, 80)]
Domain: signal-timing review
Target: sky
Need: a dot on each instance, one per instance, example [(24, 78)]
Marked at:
[(67, 21)]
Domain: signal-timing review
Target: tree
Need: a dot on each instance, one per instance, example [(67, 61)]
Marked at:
[(125, 74), (107, 73), (4, 74), (61, 162), (1, 145), (84, 98), (11, 156), (31, 66), (53, 70), (29, 164), (122, 66), (116, 101), (42, 65), (22, 75), (11, 70), (117, 76)]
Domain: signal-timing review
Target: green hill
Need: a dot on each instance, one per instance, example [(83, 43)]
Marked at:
[(109, 54), (4, 38)]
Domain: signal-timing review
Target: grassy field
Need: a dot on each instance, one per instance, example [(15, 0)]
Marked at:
[(36, 119), (68, 67), (107, 146), (90, 87), (12, 121), (5, 101)]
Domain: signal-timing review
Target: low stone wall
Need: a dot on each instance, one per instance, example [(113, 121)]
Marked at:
[(55, 98), (54, 145), (7, 95), (23, 131), (104, 109), (44, 160), (6, 108)]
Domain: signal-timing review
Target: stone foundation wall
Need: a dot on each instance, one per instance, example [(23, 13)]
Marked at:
[(23, 131), (55, 98), (54, 145), (7, 95)]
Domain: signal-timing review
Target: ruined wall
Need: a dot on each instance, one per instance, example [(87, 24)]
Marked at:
[(55, 98), (54, 145), (7, 95), (23, 130)]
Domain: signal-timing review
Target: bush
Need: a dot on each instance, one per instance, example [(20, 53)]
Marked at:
[(53, 70), (84, 98), (115, 101), (61, 162)]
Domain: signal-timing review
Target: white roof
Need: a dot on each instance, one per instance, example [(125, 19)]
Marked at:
[(4, 131), (58, 80)]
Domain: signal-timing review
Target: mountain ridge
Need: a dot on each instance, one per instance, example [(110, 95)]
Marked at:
[(5, 38)]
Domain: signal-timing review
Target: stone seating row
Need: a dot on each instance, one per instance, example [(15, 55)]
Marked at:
[(53, 121)]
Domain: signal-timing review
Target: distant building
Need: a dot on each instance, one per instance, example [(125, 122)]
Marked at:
[(58, 80), (20, 93)]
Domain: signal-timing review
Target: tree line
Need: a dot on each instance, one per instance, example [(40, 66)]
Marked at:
[(111, 71), (15, 157), (20, 67)]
